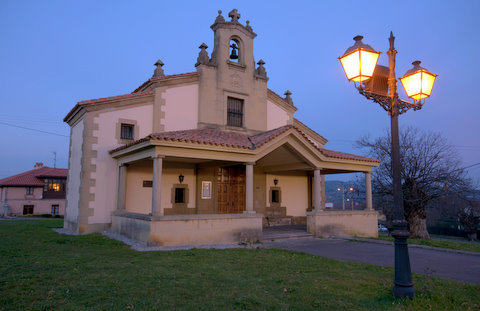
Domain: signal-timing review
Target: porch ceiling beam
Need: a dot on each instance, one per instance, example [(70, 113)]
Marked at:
[(132, 149), (287, 167), (203, 154), (140, 155)]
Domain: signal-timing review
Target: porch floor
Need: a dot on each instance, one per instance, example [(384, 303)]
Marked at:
[(285, 232)]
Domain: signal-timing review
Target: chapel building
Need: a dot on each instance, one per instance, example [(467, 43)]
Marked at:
[(205, 157)]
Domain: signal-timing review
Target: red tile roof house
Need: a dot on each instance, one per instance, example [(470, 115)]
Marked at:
[(205, 157), (38, 191)]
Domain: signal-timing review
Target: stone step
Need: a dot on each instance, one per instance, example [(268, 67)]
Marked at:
[(285, 235)]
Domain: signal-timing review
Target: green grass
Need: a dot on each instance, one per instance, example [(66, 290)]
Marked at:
[(42, 270), (443, 243)]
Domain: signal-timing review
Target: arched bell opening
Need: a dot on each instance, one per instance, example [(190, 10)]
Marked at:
[(235, 50)]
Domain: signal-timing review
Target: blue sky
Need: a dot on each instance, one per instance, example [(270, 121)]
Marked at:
[(56, 53)]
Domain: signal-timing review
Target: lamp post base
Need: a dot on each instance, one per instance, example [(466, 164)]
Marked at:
[(403, 287)]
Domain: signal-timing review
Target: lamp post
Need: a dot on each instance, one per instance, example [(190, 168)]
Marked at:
[(343, 195), (379, 84)]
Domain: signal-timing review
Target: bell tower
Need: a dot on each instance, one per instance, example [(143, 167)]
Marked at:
[(232, 91)]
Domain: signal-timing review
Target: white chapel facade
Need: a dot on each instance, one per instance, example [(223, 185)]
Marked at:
[(210, 156)]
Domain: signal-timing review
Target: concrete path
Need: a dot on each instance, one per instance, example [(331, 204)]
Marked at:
[(463, 267)]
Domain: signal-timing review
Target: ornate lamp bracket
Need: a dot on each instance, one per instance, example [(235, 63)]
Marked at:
[(388, 103)]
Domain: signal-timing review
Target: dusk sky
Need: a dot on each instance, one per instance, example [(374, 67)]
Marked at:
[(56, 53)]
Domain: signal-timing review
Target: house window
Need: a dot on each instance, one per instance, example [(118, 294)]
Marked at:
[(234, 112), (54, 209), (29, 191), (54, 185), (275, 196), (27, 209), (126, 131), (179, 195)]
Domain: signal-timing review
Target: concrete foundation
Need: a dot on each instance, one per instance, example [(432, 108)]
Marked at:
[(177, 230), (343, 223)]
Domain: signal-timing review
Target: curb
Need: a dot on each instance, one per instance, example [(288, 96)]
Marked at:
[(447, 250)]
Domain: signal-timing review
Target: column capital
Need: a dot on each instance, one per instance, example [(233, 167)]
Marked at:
[(249, 163), (123, 165), (158, 156), (316, 168)]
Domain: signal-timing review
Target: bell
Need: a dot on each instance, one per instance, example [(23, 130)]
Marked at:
[(234, 51)]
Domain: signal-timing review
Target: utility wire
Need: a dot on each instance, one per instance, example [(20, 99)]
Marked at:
[(35, 130)]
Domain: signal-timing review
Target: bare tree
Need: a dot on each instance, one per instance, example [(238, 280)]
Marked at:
[(430, 167)]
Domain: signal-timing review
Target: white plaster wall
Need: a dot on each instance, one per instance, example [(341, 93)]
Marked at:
[(74, 172), (181, 108), (276, 116), (294, 192), (139, 198), (106, 174)]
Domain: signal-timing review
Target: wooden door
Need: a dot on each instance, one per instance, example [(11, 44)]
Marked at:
[(231, 189), (27, 209)]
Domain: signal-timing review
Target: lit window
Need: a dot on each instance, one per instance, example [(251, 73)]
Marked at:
[(126, 131), (234, 112), (54, 185)]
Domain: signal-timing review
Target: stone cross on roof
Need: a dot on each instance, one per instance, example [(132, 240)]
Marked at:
[(234, 15)]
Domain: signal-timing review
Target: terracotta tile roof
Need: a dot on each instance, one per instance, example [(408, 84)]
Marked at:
[(238, 140), (135, 93), (33, 177), (152, 79), (345, 156), (106, 99), (111, 98)]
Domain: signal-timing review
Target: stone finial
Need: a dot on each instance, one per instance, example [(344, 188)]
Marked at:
[(219, 18), (159, 71), (288, 99), (234, 15), (248, 26), (202, 58), (260, 71)]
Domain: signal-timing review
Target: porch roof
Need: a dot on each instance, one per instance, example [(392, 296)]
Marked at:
[(222, 138)]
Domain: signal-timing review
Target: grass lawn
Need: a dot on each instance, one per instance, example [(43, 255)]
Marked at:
[(444, 243), (42, 270)]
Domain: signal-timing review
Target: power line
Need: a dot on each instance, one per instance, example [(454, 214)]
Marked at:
[(35, 130)]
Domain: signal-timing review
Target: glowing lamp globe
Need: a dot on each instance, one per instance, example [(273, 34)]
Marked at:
[(418, 82), (359, 61)]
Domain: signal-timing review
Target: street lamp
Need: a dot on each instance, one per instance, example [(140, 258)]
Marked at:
[(343, 194), (380, 85)]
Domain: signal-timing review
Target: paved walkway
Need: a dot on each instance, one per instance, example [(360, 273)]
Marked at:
[(463, 267)]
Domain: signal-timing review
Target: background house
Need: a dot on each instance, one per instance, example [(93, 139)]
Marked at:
[(38, 191)]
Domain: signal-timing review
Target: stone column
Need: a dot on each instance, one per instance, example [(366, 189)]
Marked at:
[(249, 188), (324, 196), (122, 186), (317, 190), (368, 191), (157, 209)]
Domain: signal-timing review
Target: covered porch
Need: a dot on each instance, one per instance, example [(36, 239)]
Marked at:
[(183, 193)]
